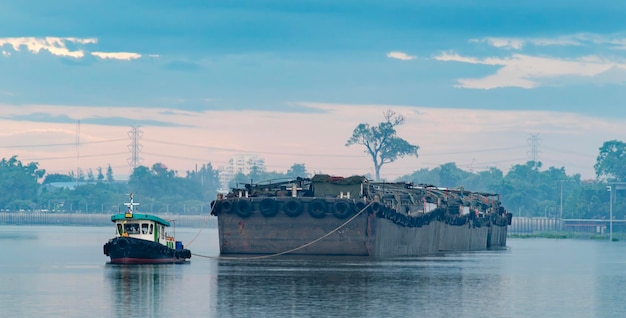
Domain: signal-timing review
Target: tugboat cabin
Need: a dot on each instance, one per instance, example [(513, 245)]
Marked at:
[(143, 226)]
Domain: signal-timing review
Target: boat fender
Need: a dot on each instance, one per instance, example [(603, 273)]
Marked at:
[(229, 206), (268, 207), (376, 207), (318, 208), (359, 206), (106, 249), (293, 207), (342, 209), (122, 244), (186, 253), (244, 208), (216, 207)]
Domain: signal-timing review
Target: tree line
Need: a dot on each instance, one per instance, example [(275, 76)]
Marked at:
[(525, 190)]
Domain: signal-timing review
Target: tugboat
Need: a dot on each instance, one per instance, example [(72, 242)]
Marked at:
[(142, 239)]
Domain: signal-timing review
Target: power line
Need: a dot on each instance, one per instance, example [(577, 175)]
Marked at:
[(252, 151), (473, 151), (72, 157), (60, 144), (322, 155), (568, 152)]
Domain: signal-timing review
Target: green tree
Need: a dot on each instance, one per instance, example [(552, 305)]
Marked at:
[(100, 175), (90, 176), (451, 176), (19, 183), (257, 173), (238, 180), (168, 191), (381, 142), (483, 181), (611, 162), (297, 170), (423, 176), (207, 178), (109, 176), (57, 177)]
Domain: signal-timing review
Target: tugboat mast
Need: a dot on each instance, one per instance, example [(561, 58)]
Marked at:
[(131, 205)]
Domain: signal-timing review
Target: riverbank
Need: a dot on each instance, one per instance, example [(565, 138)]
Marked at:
[(570, 235), (96, 219)]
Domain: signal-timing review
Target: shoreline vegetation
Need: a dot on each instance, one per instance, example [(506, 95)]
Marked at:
[(569, 235), (97, 219), (198, 221)]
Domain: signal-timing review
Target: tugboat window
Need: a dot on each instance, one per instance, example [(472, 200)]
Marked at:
[(131, 228), (144, 228), (151, 226), (120, 229)]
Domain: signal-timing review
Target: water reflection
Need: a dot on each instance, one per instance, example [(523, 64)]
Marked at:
[(17, 235), (291, 286), (138, 290)]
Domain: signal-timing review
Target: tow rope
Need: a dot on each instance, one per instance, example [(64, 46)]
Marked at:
[(287, 251)]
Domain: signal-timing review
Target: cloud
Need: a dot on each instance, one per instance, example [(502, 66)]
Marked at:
[(528, 71), (400, 56), (62, 47), (518, 43), (612, 41), (507, 43), (54, 45), (117, 55)]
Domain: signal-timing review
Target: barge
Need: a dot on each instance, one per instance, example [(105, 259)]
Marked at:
[(353, 216)]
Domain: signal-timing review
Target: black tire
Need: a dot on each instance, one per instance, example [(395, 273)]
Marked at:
[(342, 209), (318, 208), (244, 208), (122, 244), (229, 206), (292, 207), (376, 207), (216, 207), (359, 206), (268, 207)]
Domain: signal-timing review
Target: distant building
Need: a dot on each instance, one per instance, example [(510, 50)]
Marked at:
[(239, 163)]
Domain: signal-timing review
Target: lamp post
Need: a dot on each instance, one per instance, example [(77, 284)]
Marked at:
[(610, 189), (561, 208)]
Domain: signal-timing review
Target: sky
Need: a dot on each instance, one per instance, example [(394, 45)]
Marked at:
[(478, 82)]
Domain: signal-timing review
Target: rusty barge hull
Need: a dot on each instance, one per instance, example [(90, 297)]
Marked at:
[(352, 216), (364, 226)]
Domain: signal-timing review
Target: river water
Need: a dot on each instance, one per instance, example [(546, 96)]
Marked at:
[(50, 271)]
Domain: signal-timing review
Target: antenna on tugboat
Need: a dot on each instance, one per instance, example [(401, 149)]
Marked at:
[(131, 205)]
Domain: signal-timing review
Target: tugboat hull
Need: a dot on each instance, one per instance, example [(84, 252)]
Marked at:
[(128, 250)]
